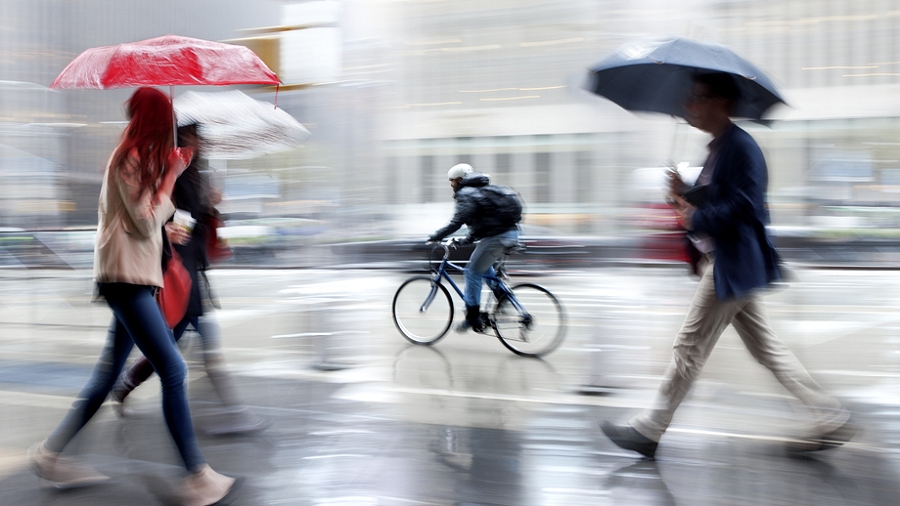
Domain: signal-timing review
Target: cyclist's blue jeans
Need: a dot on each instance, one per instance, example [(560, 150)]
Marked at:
[(488, 251), (137, 320)]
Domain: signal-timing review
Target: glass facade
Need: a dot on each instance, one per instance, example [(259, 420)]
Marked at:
[(417, 86)]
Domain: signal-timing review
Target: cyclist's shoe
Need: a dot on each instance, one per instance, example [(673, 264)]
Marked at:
[(484, 323), (463, 327), (474, 320)]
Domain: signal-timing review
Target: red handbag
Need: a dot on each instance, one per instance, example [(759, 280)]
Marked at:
[(174, 296)]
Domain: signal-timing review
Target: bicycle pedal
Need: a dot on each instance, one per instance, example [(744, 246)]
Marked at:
[(528, 322)]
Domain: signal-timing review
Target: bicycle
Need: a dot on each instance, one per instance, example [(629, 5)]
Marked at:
[(527, 318)]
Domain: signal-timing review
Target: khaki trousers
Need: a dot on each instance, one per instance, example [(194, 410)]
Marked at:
[(705, 322)]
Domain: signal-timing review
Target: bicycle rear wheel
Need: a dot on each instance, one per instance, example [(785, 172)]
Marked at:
[(422, 310), (536, 330)]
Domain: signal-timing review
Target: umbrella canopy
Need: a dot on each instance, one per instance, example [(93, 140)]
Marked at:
[(164, 61), (655, 76), (234, 126)]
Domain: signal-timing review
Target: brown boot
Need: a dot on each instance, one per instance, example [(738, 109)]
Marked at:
[(205, 487), (61, 472)]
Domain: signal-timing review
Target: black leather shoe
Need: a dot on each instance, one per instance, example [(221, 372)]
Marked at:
[(825, 441), (625, 436)]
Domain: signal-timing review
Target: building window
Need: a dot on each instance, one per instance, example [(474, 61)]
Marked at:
[(502, 167), (393, 189), (542, 177), (583, 176), (428, 177)]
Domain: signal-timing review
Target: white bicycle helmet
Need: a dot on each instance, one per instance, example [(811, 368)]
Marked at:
[(459, 170)]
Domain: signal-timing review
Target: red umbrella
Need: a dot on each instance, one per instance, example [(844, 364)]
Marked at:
[(164, 61)]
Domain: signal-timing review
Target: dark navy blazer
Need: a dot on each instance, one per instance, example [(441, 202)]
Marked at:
[(735, 216)]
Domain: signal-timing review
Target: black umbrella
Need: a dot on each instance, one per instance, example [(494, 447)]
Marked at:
[(655, 76)]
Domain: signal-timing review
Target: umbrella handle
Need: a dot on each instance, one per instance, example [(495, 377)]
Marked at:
[(677, 141), (174, 119)]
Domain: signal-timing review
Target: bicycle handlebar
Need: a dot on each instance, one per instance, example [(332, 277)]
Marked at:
[(454, 242), (446, 244)]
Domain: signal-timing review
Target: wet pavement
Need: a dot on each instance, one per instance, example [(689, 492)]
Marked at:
[(361, 417)]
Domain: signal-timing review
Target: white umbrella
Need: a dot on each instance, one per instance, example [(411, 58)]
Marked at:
[(234, 126)]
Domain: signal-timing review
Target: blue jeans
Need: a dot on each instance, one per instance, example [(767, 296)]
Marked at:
[(208, 329), (137, 320), (488, 251), (213, 359)]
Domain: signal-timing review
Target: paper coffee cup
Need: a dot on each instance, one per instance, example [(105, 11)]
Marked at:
[(184, 220)]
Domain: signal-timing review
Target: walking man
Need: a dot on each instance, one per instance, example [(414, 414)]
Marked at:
[(728, 227), (492, 214)]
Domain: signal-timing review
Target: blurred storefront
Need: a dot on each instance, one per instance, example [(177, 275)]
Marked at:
[(497, 84), (395, 92)]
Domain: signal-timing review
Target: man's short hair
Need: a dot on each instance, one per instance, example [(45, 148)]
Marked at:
[(720, 84)]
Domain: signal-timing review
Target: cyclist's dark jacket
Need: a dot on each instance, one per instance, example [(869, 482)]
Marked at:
[(470, 210)]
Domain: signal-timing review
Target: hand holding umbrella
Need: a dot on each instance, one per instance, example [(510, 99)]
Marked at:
[(683, 210), (176, 163), (180, 158)]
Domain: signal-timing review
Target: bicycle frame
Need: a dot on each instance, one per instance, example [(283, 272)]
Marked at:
[(443, 274), (504, 313)]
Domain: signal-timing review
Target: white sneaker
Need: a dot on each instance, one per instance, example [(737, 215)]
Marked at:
[(205, 487), (62, 473)]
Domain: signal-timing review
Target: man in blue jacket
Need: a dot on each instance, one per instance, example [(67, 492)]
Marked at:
[(728, 227)]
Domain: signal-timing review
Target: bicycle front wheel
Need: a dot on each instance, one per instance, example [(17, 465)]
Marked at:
[(533, 325), (422, 310)]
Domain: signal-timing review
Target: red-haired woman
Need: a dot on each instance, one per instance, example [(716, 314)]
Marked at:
[(135, 202)]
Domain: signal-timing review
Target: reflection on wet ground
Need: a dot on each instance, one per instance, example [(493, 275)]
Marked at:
[(465, 422)]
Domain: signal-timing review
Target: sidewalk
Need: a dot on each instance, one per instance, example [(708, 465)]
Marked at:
[(464, 421)]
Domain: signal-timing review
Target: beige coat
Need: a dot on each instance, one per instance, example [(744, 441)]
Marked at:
[(128, 248)]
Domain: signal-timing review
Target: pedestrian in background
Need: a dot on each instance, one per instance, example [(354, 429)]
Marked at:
[(193, 195), (727, 221), (135, 202)]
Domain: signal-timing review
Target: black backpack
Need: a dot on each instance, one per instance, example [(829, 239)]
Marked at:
[(502, 203)]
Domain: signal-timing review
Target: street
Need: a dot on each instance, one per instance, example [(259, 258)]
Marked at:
[(361, 417)]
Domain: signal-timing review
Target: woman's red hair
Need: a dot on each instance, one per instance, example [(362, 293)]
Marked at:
[(149, 131)]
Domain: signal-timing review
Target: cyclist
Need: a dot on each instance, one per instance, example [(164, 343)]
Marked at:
[(492, 214)]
